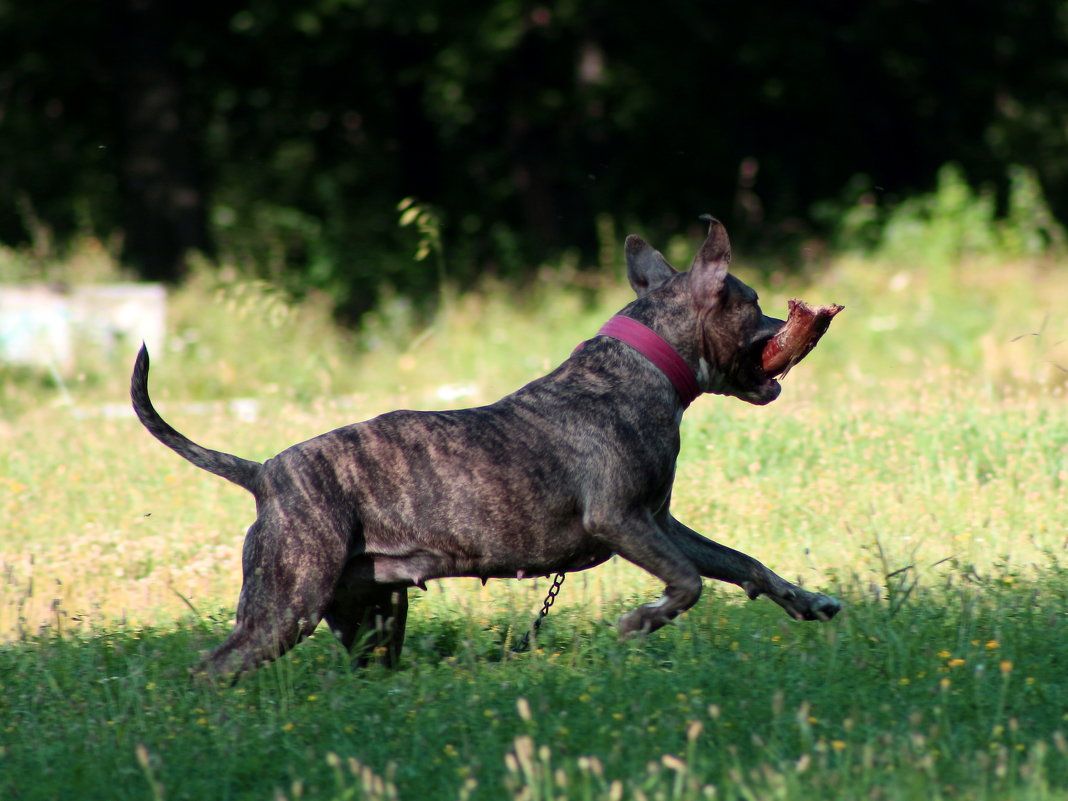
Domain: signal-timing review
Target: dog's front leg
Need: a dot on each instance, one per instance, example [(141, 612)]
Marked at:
[(726, 564), (639, 539)]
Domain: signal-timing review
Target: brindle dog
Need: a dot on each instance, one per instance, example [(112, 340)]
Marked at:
[(558, 476)]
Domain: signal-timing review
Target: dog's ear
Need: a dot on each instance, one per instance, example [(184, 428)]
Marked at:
[(647, 269), (709, 269)]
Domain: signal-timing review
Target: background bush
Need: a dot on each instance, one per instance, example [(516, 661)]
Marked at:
[(280, 138)]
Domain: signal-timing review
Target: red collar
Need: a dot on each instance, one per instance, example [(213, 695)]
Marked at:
[(657, 350)]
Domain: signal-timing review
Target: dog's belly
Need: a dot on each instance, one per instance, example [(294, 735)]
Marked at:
[(417, 569), (416, 559)]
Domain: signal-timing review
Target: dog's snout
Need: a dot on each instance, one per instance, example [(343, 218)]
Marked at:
[(769, 327), (776, 323)]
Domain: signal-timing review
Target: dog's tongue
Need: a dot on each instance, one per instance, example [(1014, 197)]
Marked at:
[(795, 340)]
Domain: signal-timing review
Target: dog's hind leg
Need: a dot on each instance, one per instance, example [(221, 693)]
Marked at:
[(369, 620), (262, 634), (252, 644), (287, 587)]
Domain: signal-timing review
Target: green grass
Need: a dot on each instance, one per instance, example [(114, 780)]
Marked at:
[(956, 691), (916, 466)]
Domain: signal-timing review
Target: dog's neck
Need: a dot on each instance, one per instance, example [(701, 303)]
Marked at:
[(657, 350)]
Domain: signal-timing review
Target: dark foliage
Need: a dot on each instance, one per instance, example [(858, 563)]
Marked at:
[(284, 134)]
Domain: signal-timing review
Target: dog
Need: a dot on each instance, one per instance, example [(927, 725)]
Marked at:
[(558, 476)]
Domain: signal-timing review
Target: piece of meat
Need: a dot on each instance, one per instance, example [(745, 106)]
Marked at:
[(803, 329)]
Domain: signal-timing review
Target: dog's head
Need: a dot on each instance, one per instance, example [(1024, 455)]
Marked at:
[(714, 308)]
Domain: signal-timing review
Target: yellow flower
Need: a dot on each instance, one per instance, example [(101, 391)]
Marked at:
[(944, 654), (992, 645), (955, 663), (838, 745), (1006, 666)]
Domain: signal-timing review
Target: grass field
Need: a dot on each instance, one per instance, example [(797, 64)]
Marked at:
[(915, 466)]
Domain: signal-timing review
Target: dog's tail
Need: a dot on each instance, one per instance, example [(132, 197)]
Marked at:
[(242, 472)]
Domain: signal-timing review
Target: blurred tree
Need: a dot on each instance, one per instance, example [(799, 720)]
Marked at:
[(283, 134), (162, 189)]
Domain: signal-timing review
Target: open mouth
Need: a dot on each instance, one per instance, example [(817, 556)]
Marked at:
[(754, 384), (768, 387), (766, 392), (781, 345)]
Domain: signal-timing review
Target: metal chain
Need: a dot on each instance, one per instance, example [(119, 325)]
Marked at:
[(523, 643)]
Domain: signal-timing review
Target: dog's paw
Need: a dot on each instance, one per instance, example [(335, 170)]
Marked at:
[(823, 607), (813, 606), (804, 605), (633, 625)]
